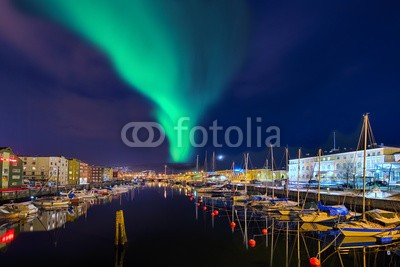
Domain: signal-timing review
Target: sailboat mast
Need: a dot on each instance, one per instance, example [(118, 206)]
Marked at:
[(365, 160), (197, 164), (287, 171), (58, 172), (266, 177), (319, 174), (298, 178), (246, 161), (213, 161), (272, 171)]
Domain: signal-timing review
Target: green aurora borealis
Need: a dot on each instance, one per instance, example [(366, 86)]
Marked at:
[(179, 54)]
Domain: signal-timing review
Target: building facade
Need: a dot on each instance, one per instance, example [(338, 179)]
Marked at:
[(99, 174), (380, 165), (46, 170), (83, 173), (74, 168), (10, 168)]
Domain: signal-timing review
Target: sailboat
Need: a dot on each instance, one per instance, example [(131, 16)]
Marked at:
[(243, 198), (324, 213), (273, 204), (51, 202), (380, 222)]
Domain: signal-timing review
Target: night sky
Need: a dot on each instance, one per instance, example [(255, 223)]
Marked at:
[(308, 67)]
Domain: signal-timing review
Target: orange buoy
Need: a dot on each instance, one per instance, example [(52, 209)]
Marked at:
[(264, 231), (204, 208), (233, 225), (216, 212), (314, 262), (252, 243)]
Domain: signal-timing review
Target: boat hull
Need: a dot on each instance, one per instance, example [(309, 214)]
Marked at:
[(369, 232)]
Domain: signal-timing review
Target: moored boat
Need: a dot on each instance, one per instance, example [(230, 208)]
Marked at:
[(52, 202)]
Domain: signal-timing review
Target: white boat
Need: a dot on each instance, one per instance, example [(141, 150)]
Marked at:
[(24, 209), (52, 202), (79, 194), (8, 213), (379, 223)]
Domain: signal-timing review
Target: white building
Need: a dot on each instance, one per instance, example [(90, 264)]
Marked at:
[(46, 169), (381, 164)]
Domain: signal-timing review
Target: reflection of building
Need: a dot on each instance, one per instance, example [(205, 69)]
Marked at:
[(10, 168), (76, 211), (381, 165), (45, 221), (46, 169), (7, 235), (99, 174)]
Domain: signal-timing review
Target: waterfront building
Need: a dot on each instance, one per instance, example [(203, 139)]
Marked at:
[(10, 168), (263, 175), (74, 166), (45, 170), (83, 173), (382, 163), (99, 174)]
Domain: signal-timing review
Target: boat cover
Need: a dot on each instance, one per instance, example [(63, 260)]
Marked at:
[(336, 210)]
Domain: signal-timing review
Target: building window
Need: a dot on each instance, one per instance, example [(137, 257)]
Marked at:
[(16, 170)]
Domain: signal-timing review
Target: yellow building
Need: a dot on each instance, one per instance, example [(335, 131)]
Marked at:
[(74, 166)]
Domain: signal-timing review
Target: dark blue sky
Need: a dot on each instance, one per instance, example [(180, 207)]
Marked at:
[(311, 68)]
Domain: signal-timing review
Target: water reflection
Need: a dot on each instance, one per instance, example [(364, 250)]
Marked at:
[(286, 241)]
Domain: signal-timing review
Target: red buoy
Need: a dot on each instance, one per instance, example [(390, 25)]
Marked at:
[(233, 225), (191, 199), (212, 214), (216, 212), (252, 243), (198, 204), (314, 262), (264, 231), (204, 208)]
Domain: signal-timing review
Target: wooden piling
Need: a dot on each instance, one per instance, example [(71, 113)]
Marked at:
[(120, 234)]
